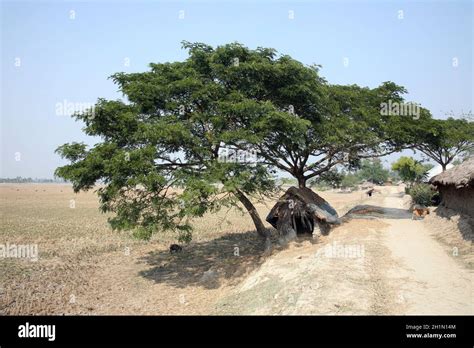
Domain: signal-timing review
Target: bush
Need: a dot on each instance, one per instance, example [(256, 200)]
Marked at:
[(422, 194), (349, 181)]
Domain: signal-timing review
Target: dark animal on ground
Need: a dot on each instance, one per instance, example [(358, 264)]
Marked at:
[(175, 248)]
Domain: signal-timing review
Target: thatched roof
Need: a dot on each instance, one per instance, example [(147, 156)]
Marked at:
[(461, 175), (304, 201)]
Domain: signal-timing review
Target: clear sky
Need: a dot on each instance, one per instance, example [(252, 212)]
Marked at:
[(63, 52)]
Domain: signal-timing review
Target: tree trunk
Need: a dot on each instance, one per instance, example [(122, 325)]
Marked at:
[(443, 166), (261, 230), (301, 181)]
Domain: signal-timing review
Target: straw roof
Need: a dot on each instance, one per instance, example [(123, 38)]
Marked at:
[(310, 202), (460, 176)]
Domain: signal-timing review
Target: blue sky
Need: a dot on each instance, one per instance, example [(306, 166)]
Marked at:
[(56, 51)]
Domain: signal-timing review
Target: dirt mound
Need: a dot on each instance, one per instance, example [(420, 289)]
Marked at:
[(455, 231)]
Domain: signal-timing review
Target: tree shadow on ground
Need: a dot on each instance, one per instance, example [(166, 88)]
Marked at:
[(209, 263)]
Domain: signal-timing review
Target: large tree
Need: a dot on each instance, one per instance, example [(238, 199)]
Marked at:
[(294, 119), (160, 150), (342, 126), (443, 140), (160, 157)]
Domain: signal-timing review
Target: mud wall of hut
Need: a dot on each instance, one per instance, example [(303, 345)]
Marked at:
[(461, 199)]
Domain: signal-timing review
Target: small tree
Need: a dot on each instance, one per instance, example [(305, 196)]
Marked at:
[(373, 171), (350, 180), (410, 170)]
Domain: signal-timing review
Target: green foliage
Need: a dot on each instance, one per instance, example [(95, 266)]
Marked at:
[(297, 121), (158, 157), (185, 234), (442, 140), (373, 171), (422, 194), (142, 233), (329, 179), (350, 180), (410, 170)]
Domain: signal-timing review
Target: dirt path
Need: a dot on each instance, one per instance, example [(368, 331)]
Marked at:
[(435, 282), (389, 265)]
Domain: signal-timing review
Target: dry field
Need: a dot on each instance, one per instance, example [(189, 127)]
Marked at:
[(86, 268)]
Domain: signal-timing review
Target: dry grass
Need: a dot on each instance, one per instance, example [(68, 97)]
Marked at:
[(86, 268)]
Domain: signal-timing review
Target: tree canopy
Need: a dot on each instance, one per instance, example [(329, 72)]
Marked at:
[(211, 131), (443, 140), (373, 171), (410, 170)]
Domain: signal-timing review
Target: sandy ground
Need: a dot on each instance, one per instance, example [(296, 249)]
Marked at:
[(367, 266), (84, 267), (387, 265)]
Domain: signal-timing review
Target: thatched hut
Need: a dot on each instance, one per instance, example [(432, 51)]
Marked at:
[(299, 211), (456, 187)]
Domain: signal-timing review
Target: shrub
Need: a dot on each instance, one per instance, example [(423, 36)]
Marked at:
[(349, 181), (422, 194)]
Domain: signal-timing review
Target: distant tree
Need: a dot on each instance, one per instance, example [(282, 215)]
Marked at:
[(288, 181), (444, 140), (394, 176), (410, 170), (332, 178), (350, 180), (373, 171)]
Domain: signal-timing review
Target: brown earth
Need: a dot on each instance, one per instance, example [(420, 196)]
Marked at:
[(391, 265)]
